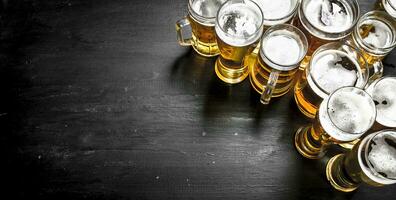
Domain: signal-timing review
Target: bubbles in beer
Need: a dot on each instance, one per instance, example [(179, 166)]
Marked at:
[(382, 154), (274, 48), (351, 111), (207, 8), (332, 16), (376, 33), (332, 69), (384, 94)]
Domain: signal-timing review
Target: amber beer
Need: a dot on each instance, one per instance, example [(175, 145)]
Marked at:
[(274, 69), (332, 66), (388, 6), (375, 36), (275, 12), (238, 29), (325, 21), (343, 117), (371, 161), (201, 19)]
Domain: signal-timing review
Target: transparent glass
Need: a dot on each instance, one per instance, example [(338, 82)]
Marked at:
[(239, 26), (375, 36), (371, 161), (273, 72), (332, 66), (197, 29), (325, 21), (343, 117)]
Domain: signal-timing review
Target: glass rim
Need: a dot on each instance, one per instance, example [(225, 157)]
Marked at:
[(335, 35), (326, 47), (390, 3), (370, 90), (366, 145), (384, 18), (285, 27), (201, 19), (360, 90), (259, 29)]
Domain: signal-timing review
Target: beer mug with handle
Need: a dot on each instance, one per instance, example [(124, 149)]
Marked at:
[(282, 48), (375, 36), (197, 29), (332, 66)]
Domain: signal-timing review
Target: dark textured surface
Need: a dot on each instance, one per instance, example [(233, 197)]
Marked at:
[(98, 101)]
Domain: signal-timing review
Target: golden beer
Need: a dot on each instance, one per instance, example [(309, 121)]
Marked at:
[(332, 66), (273, 72), (325, 21), (343, 117), (375, 36), (371, 161), (238, 29), (201, 19)]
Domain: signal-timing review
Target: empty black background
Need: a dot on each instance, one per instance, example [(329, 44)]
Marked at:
[(98, 101)]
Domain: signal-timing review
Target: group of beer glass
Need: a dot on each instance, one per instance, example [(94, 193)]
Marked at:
[(333, 58)]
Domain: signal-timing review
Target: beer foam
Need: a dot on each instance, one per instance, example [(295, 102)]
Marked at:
[(240, 22), (276, 9), (332, 69), (382, 154), (351, 111), (384, 96), (207, 8), (376, 33), (275, 49), (331, 16)]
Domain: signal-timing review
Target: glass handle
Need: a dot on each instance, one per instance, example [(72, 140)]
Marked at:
[(181, 25), (269, 88), (378, 70)]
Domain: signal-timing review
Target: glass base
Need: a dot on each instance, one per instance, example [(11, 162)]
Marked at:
[(335, 176), (303, 145), (231, 75)]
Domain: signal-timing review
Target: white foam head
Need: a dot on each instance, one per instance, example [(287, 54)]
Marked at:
[(347, 113), (239, 23), (332, 69), (277, 12), (273, 49), (379, 34), (206, 8), (379, 161), (330, 16), (383, 92)]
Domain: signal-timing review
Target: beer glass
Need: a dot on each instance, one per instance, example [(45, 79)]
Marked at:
[(383, 92), (274, 69), (375, 36), (239, 26), (371, 161), (342, 117), (387, 5), (275, 12), (326, 21), (332, 66), (200, 21)]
